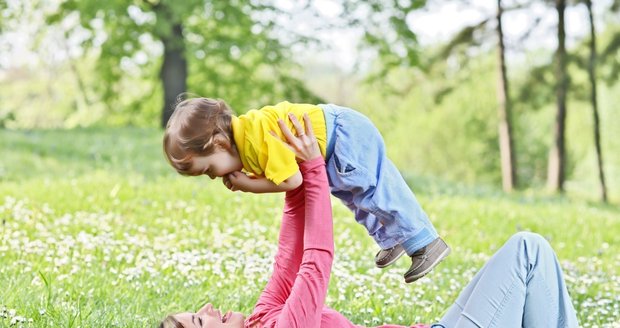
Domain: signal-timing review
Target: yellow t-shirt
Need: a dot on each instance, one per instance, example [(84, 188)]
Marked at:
[(263, 154)]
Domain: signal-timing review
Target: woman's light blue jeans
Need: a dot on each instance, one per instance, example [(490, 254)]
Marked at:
[(520, 286)]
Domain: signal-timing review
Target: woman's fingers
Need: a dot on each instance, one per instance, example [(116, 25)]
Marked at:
[(298, 128), (300, 131), (284, 142), (287, 133), (304, 145), (309, 131), (292, 141)]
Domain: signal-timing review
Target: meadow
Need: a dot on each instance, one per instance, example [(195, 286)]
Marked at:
[(97, 231)]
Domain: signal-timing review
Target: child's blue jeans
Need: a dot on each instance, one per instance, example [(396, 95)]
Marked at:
[(368, 183), (520, 286)]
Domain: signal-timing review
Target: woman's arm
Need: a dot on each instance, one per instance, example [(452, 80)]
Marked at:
[(289, 254), (305, 252), (304, 305)]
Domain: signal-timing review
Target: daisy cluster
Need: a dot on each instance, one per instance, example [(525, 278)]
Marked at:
[(95, 269)]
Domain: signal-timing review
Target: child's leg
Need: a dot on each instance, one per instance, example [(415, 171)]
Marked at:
[(372, 224), (401, 209), (520, 286), (391, 250), (366, 180)]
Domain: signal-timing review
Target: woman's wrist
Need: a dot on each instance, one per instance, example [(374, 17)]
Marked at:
[(312, 163)]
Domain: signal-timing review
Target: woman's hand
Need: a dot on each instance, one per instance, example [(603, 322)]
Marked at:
[(304, 145)]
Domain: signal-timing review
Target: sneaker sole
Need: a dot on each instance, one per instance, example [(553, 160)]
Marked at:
[(442, 256), (392, 261)]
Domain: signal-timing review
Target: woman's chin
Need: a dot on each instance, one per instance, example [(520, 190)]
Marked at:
[(236, 318)]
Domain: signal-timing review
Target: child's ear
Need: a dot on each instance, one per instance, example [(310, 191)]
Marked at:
[(220, 142)]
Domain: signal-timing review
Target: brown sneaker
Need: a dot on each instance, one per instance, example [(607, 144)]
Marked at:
[(388, 256), (425, 259)]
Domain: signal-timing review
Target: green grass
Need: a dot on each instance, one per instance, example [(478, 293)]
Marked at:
[(97, 231)]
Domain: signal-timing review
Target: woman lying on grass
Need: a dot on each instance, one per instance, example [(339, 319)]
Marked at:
[(520, 286)]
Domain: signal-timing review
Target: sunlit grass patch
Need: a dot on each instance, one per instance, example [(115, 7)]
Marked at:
[(126, 269), (94, 243)]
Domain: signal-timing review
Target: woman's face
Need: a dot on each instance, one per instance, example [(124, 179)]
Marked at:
[(209, 317)]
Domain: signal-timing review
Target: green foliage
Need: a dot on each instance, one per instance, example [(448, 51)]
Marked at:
[(386, 31), (47, 98), (97, 231), (578, 60), (455, 138), (467, 38), (609, 66), (233, 50), (242, 61)]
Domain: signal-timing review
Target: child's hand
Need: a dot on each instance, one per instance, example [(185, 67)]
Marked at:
[(243, 182), (235, 181), (227, 183)]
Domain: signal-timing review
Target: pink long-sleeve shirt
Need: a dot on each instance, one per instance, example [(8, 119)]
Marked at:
[(295, 295)]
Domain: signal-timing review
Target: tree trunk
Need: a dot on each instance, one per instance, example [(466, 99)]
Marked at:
[(78, 77), (506, 145), (173, 73), (557, 155), (593, 100)]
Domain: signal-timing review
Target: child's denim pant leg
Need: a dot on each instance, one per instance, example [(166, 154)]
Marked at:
[(368, 183), (520, 286)]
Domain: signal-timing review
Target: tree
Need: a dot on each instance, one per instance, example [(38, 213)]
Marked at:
[(173, 72), (557, 153), (533, 97), (594, 102), (386, 31), (476, 36), (504, 111), (229, 49), (232, 45)]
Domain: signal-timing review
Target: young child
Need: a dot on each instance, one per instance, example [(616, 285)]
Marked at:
[(203, 137)]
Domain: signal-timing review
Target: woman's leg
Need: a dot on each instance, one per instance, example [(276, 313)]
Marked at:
[(520, 286)]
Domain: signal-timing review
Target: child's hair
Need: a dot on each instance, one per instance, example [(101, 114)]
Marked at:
[(197, 127)]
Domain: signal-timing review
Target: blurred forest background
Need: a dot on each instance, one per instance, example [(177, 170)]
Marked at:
[(501, 114), (513, 94)]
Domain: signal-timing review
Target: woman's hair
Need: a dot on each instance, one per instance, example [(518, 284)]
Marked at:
[(170, 322), (197, 127)]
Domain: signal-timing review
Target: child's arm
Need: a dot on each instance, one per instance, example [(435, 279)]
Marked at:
[(240, 181)]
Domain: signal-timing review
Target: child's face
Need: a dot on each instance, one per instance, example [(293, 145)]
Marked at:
[(218, 164)]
